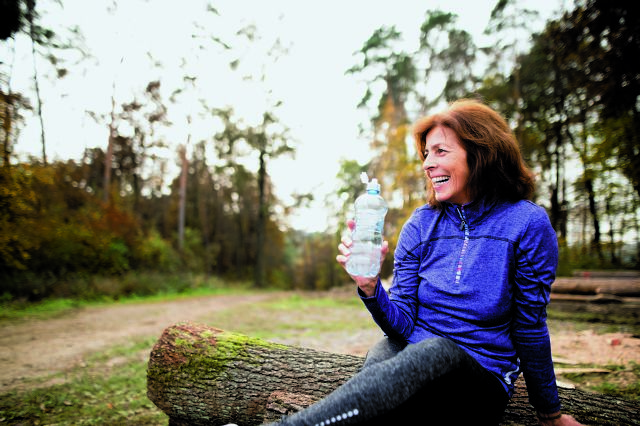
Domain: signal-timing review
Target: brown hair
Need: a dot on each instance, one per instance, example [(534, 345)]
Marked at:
[(497, 170)]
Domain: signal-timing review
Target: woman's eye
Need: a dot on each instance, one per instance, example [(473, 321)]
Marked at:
[(437, 151)]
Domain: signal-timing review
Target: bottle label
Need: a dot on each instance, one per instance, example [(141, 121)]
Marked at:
[(368, 227)]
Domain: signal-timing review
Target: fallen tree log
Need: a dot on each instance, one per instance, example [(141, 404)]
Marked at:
[(200, 375), (629, 287)]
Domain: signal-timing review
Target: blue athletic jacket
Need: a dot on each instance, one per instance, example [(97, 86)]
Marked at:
[(480, 275)]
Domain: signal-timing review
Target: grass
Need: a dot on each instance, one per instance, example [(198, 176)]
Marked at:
[(622, 381), (599, 322), (94, 394), (192, 286), (282, 319), (46, 309), (110, 387)]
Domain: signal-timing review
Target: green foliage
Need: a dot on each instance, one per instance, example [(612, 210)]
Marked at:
[(193, 250), (58, 238), (52, 228), (621, 381), (156, 253), (630, 391), (585, 257), (46, 309), (574, 126), (80, 292)]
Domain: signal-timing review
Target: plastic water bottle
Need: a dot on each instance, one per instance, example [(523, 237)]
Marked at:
[(370, 209)]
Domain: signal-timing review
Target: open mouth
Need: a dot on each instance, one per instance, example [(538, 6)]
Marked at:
[(440, 180)]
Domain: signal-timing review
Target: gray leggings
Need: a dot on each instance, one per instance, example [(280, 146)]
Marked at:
[(430, 382)]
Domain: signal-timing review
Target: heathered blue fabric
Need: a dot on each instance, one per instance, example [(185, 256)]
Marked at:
[(496, 310)]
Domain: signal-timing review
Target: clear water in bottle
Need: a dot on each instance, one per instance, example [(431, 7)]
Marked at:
[(370, 210)]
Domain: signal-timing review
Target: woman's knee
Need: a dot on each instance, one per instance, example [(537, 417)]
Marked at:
[(439, 344), (383, 350), (441, 349)]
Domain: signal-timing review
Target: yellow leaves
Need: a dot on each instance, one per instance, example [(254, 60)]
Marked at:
[(16, 217)]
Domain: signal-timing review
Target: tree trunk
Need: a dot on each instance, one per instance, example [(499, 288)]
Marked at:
[(108, 158), (259, 273), (199, 375), (31, 6), (7, 107), (594, 215), (184, 169)]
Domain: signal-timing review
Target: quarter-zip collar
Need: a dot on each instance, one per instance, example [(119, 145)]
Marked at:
[(472, 213)]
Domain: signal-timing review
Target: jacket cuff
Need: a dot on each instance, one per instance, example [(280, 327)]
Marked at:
[(377, 303)]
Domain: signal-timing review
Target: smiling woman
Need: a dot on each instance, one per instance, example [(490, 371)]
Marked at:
[(466, 312)]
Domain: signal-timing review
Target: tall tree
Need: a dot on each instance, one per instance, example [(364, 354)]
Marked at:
[(271, 140), (23, 18), (393, 161), (451, 52), (268, 140), (11, 18), (610, 34), (510, 25), (33, 34)]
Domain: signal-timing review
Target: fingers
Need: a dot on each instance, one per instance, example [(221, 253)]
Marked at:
[(344, 249), (344, 254), (345, 245)]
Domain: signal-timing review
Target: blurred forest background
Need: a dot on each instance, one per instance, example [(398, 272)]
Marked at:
[(571, 93)]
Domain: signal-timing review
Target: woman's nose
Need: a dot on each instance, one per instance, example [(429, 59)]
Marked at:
[(427, 164)]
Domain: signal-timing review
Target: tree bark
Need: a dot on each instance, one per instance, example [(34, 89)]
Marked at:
[(200, 375)]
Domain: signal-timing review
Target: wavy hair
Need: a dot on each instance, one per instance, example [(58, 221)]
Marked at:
[(497, 170)]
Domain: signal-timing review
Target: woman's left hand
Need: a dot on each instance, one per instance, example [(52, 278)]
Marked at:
[(563, 420)]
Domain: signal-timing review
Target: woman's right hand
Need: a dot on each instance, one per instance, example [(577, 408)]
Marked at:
[(366, 284)]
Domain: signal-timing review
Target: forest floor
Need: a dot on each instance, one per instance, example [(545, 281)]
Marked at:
[(33, 349)]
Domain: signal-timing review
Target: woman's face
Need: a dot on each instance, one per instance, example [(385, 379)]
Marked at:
[(446, 166)]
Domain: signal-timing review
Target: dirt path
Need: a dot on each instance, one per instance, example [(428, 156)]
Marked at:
[(37, 348), (33, 349)]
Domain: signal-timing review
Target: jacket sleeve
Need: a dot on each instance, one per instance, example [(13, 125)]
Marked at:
[(396, 314), (535, 268)]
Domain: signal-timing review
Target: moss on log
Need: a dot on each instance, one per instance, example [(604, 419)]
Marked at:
[(201, 375)]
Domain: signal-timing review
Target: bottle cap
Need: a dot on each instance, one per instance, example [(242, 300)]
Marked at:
[(373, 185)]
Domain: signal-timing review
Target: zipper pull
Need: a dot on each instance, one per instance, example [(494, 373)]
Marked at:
[(464, 222)]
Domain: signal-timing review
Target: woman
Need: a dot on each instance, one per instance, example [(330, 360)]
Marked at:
[(466, 312)]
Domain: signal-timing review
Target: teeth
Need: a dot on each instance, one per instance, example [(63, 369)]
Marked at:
[(440, 179)]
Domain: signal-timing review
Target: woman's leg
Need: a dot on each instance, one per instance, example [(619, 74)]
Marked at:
[(433, 381), (383, 350)]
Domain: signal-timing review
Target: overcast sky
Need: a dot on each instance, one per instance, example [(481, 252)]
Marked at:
[(319, 102)]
